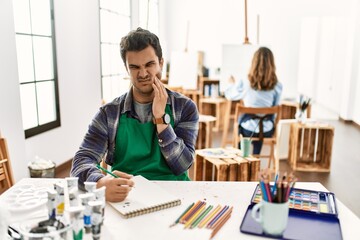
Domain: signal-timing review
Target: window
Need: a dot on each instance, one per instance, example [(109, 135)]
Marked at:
[(114, 24), (149, 15), (36, 56)]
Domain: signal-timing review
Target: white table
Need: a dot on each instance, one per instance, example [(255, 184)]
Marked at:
[(237, 194)]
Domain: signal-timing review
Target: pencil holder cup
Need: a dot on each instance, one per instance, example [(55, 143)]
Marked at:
[(300, 116), (273, 217), (245, 146)]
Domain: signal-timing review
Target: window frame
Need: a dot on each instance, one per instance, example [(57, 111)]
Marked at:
[(41, 128), (121, 75)]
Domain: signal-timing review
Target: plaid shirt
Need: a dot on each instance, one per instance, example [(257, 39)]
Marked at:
[(177, 143)]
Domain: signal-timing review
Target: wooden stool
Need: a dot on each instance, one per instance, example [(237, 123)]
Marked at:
[(230, 166), (215, 107), (310, 147), (195, 95), (204, 139)]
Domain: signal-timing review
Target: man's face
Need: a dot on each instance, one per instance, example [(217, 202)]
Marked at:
[(142, 67)]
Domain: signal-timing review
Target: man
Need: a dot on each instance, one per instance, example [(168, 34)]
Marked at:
[(149, 131)]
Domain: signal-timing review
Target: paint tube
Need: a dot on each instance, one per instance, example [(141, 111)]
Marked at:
[(96, 218), (76, 220), (73, 190), (90, 186), (73, 199), (59, 199), (85, 199), (100, 196), (51, 203)]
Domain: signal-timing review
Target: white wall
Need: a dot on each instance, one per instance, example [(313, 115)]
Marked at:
[(78, 62), (355, 94), (10, 106), (215, 22)]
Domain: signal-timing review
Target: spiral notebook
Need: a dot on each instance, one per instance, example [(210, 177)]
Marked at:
[(145, 197)]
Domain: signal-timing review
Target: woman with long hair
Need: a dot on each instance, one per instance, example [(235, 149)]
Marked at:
[(261, 89)]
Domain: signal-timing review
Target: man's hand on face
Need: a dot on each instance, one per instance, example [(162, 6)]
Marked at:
[(160, 98)]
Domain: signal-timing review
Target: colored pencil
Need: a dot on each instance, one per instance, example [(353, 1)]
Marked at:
[(194, 210), (263, 191), (267, 188), (197, 221), (227, 212), (206, 220), (195, 215), (216, 230), (105, 170), (182, 219), (274, 186), (217, 216), (178, 219)]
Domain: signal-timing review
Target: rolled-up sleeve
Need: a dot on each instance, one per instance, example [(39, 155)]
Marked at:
[(178, 144), (91, 151)]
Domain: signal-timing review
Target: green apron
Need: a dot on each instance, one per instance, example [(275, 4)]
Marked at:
[(137, 150)]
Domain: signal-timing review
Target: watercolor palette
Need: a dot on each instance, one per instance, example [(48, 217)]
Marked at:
[(306, 200), (25, 197)]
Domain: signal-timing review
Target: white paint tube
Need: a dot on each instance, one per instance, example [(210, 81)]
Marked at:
[(90, 186), (96, 218), (51, 203), (77, 221), (100, 196), (59, 188), (73, 190), (85, 199)]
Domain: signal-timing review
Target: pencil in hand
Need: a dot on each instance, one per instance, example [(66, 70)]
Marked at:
[(105, 170)]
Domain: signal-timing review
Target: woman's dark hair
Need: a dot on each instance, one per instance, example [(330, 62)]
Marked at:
[(138, 40), (262, 74)]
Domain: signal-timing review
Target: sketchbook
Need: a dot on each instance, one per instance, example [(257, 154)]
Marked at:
[(145, 197), (312, 215)]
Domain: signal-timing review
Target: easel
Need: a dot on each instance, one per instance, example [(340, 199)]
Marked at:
[(6, 175)]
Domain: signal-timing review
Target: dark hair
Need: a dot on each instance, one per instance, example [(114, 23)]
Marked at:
[(138, 40), (262, 74)]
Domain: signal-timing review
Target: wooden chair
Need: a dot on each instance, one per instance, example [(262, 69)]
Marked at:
[(229, 116), (6, 175), (240, 110)]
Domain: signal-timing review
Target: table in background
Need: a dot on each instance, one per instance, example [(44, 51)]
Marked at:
[(234, 168), (204, 139), (194, 95), (288, 109), (215, 107), (237, 194)]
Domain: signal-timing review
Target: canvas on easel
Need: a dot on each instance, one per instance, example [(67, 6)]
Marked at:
[(183, 71), (236, 61)]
